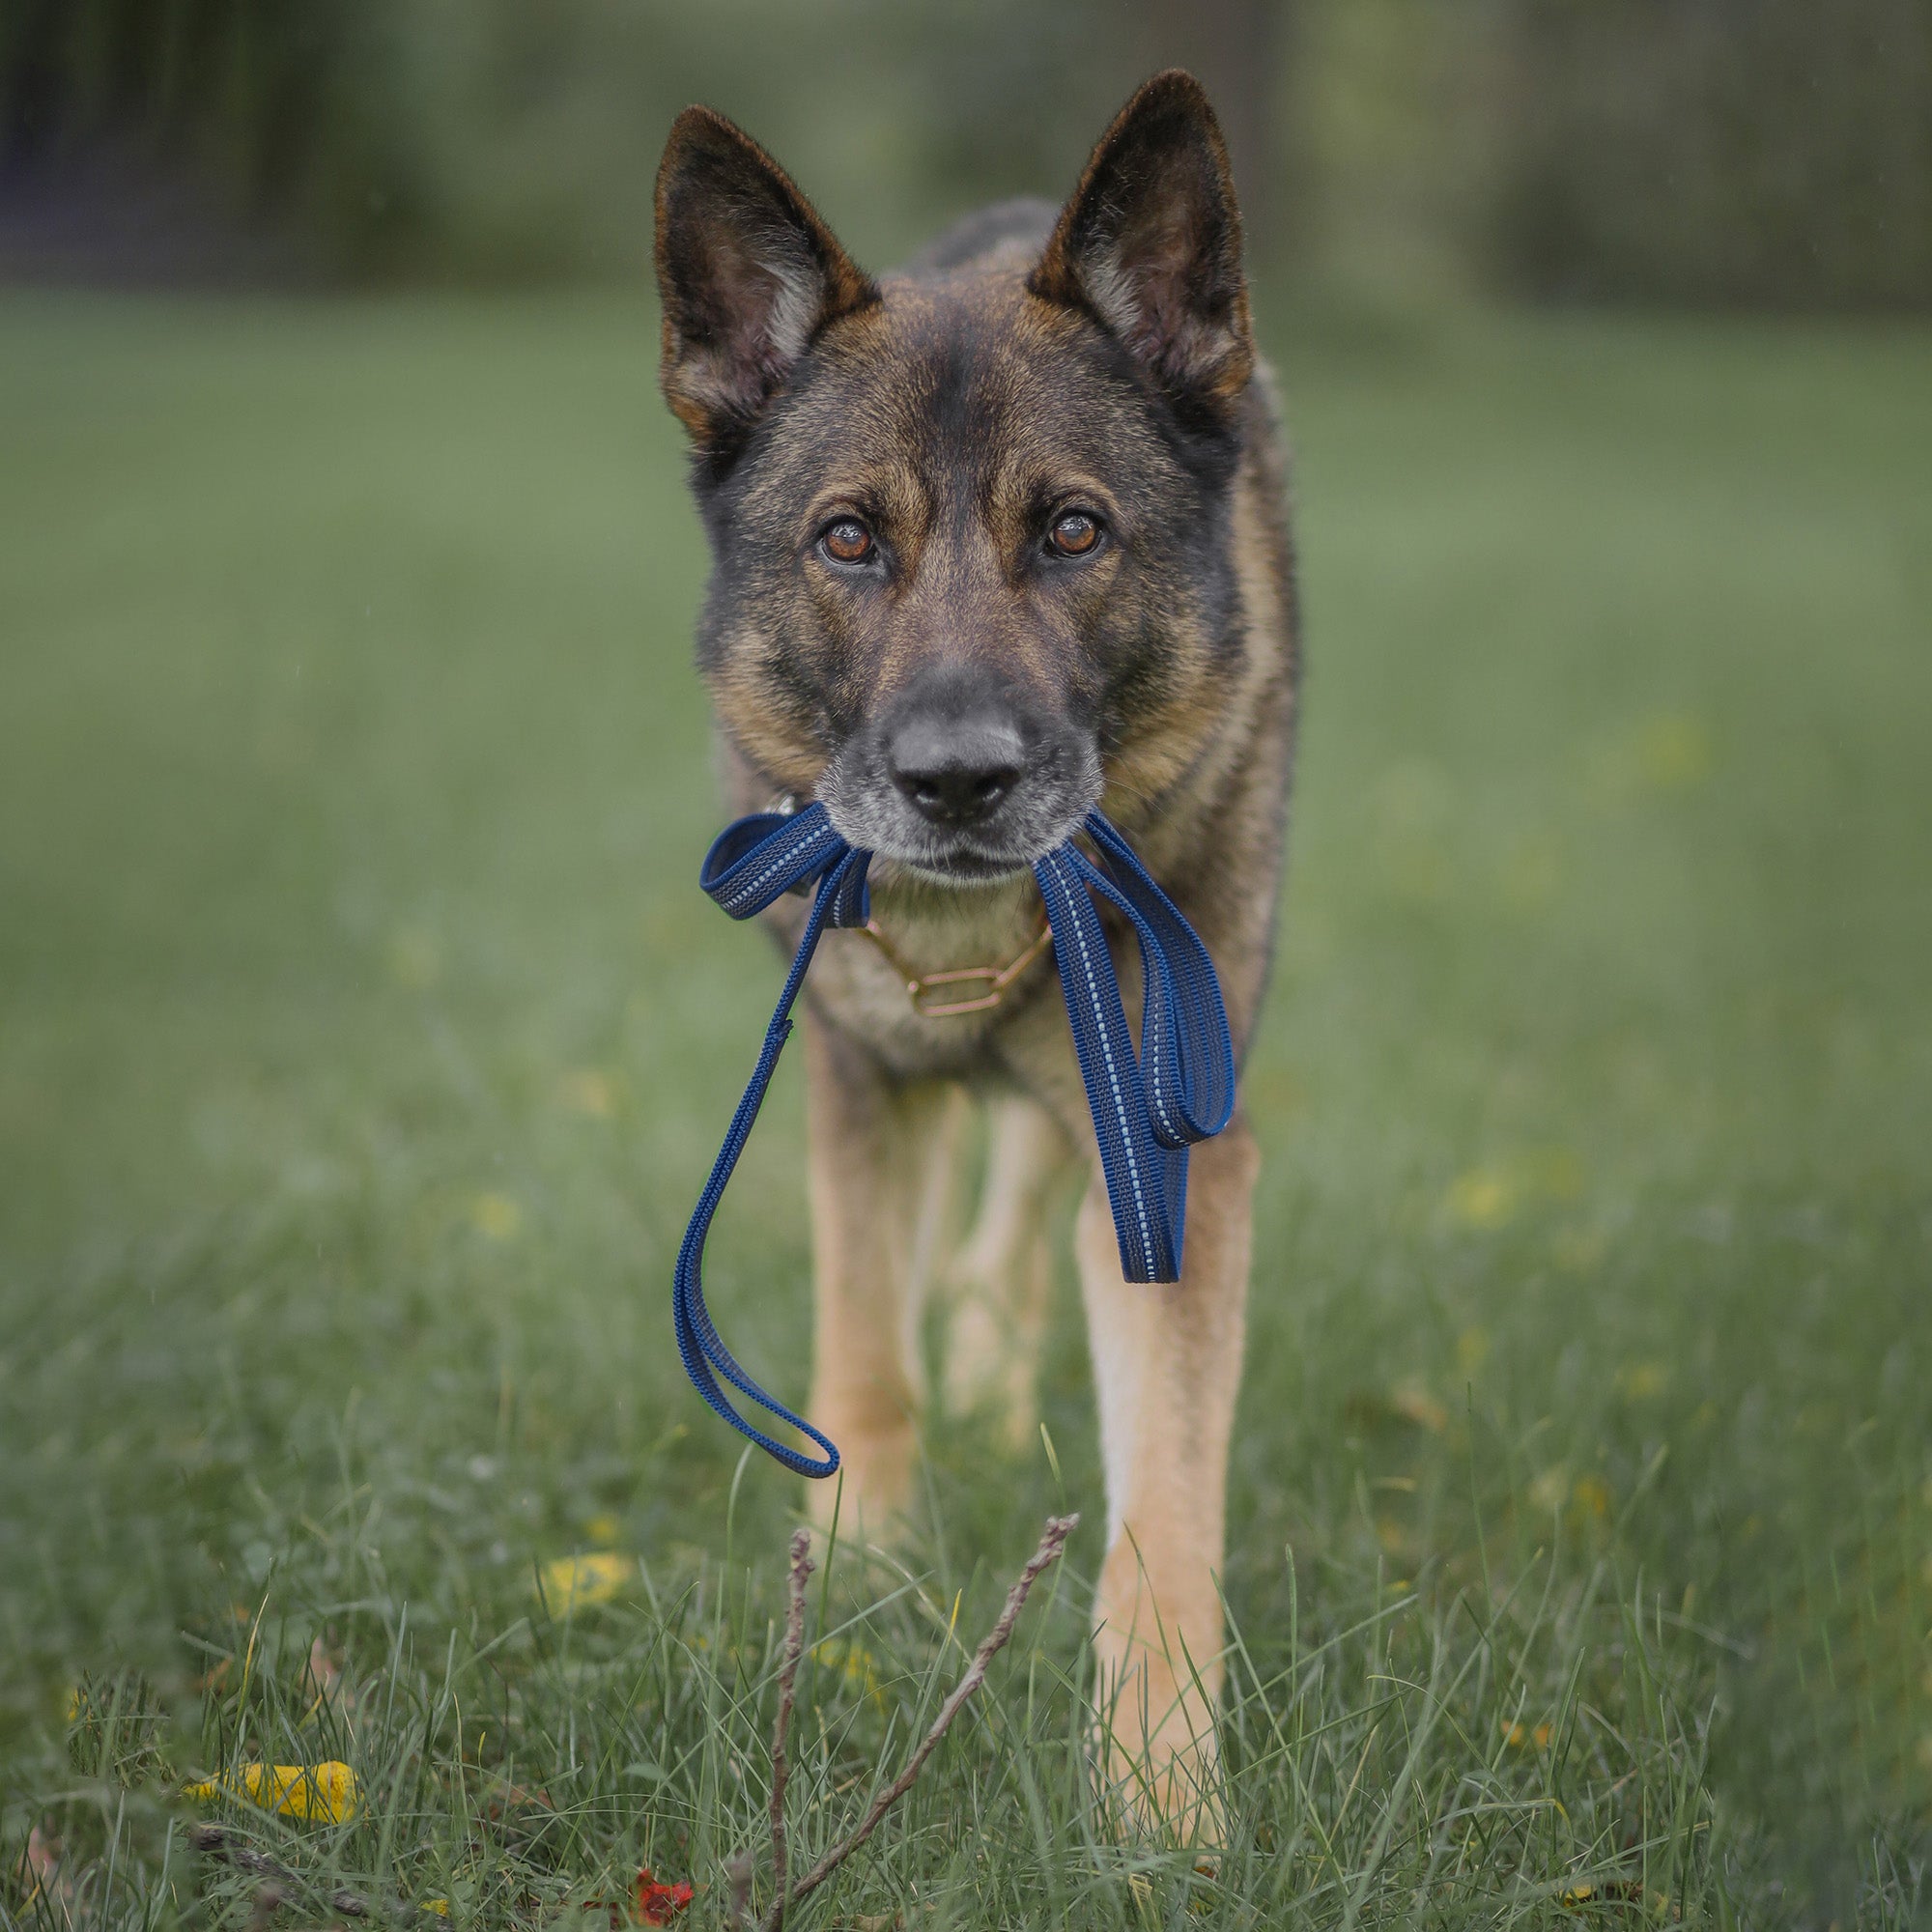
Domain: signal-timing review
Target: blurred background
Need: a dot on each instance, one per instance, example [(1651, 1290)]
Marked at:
[(364, 1039), (1767, 153)]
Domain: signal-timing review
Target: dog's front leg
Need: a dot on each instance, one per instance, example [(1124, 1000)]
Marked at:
[(873, 1148), (1167, 1360), (1002, 1278)]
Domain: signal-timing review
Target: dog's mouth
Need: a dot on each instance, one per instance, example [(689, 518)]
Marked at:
[(1035, 813), (960, 859), (963, 867)]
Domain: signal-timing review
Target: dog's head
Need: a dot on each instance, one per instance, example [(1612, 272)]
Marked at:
[(971, 528)]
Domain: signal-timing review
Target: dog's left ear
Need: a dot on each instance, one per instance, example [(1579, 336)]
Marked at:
[(748, 271), (1151, 244)]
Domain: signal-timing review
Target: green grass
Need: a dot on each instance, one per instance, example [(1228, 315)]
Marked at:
[(364, 1040)]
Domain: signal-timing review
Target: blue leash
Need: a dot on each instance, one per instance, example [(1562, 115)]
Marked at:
[(1148, 1108)]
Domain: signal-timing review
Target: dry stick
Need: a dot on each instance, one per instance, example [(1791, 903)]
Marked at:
[(794, 1644), (740, 1869), (214, 1841), (1058, 1530)]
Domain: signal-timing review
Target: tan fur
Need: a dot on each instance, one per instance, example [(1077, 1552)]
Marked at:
[(1166, 1359)]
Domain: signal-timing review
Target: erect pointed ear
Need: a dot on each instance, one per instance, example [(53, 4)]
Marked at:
[(1150, 244), (748, 273)]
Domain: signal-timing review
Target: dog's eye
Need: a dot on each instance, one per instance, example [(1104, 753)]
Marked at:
[(1073, 533), (846, 541)]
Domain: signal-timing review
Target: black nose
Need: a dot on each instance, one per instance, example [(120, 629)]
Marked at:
[(954, 770)]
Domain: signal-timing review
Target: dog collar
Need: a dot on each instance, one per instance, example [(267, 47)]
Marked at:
[(1148, 1108), (950, 995)]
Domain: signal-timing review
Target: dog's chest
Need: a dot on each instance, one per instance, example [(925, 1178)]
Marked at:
[(890, 988)]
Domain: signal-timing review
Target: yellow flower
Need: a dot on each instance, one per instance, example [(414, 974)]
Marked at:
[(497, 1215), (327, 1793), (860, 1669), (1490, 1196), (594, 1578), (1519, 1737), (415, 960), (1485, 1197), (1640, 1379), (1592, 1496), (440, 1905), (1673, 751), (586, 1091), (603, 1528)]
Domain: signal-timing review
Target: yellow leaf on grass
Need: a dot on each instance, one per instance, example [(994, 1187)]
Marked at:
[(325, 1793), (594, 1578)]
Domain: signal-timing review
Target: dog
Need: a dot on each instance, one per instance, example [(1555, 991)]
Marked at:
[(996, 539)]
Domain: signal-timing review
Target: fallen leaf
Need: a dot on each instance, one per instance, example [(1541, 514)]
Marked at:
[(659, 1904), (44, 1861), (1519, 1737), (325, 1793), (1414, 1403)]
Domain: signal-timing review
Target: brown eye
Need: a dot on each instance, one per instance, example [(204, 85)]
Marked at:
[(847, 541), (1074, 534)]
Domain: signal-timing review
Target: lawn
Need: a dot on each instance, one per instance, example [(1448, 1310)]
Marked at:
[(364, 1040)]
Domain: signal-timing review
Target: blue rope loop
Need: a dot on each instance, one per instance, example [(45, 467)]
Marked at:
[(1148, 1107), (749, 866)]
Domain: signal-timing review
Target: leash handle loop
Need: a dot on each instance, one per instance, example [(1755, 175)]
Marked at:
[(749, 866)]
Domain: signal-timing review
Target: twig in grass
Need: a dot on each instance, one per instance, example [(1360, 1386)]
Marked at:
[(216, 1842), (740, 1869), (794, 1644), (1051, 1543)]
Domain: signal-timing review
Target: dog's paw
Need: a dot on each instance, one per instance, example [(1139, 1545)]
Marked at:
[(870, 1495)]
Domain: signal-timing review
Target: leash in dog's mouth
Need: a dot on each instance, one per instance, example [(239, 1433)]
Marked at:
[(1148, 1107)]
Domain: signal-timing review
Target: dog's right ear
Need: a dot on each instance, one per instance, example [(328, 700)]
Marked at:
[(748, 273), (1151, 244)]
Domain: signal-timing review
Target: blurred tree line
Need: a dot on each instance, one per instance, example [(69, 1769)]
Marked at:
[(1774, 152)]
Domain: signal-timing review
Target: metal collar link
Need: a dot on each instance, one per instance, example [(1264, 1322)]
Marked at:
[(931, 992)]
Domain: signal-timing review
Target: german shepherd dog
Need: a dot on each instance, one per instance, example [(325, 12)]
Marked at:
[(996, 539)]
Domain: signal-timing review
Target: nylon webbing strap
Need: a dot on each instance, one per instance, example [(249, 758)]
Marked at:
[(1148, 1107)]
